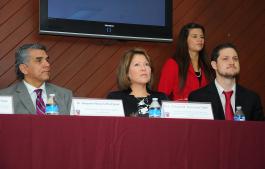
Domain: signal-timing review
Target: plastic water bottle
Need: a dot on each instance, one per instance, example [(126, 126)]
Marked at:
[(154, 108), (51, 106), (239, 115)]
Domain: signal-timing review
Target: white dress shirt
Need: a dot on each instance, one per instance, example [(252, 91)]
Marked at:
[(33, 94), (220, 90)]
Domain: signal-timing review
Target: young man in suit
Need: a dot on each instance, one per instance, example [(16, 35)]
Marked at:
[(224, 93), (31, 92)]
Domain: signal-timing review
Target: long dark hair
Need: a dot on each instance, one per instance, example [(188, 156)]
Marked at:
[(182, 56)]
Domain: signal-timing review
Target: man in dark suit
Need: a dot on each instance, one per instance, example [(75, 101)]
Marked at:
[(31, 92), (224, 93)]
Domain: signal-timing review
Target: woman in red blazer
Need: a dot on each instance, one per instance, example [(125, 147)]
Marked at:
[(189, 68)]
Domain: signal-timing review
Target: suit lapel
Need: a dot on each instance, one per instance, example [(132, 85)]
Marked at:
[(24, 97), (49, 90), (216, 102), (239, 96)]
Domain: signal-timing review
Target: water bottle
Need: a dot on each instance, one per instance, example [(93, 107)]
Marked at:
[(51, 106), (154, 109), (239, 115)]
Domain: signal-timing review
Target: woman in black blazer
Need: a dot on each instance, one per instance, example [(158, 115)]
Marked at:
[(134, 78)]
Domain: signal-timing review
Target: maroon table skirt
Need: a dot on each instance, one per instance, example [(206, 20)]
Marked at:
[(73, 142)]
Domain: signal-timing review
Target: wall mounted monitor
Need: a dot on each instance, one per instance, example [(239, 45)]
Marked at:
[(148, 20)]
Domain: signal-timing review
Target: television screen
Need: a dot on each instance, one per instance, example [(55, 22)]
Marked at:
[(149, 20)]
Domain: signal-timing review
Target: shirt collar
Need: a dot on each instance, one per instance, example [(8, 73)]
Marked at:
[(31, 88), (220, 89)]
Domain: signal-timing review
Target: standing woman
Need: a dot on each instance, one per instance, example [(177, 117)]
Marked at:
[(189, 68), (134, 81)]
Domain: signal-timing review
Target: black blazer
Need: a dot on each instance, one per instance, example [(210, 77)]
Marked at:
[(130, 102), (248, 100)]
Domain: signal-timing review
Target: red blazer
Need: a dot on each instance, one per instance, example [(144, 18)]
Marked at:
[(169, 81)]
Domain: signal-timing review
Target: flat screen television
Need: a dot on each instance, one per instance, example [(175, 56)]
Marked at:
[(148, 20)]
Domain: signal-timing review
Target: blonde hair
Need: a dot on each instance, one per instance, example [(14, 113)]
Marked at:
[(123, 80)]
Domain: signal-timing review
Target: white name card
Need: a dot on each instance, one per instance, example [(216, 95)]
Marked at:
[(6, 105), (187, 110), (97, 107)]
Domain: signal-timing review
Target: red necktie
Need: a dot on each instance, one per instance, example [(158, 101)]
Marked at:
[(229, 115), (40, 106)]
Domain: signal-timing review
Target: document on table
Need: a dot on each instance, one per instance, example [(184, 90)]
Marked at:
[(187, 110), (6, 105), (97, 107)]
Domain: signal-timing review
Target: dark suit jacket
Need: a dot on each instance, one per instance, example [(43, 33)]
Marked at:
[(250, 101), (23, 103), (130, 102)]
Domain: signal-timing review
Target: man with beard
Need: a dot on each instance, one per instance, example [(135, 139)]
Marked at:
[(224, 93)]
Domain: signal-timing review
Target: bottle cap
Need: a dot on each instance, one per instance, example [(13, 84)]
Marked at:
[(238, 107)]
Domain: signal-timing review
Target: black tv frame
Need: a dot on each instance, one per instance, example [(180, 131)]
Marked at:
[(110, 30)]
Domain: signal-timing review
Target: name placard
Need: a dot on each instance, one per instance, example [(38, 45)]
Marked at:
[(6, 105), (187, 110), (97, 107)]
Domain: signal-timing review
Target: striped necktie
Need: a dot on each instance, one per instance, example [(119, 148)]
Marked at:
[(40, 106)]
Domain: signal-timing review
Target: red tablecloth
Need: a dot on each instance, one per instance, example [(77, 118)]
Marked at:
[(71, 142)]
